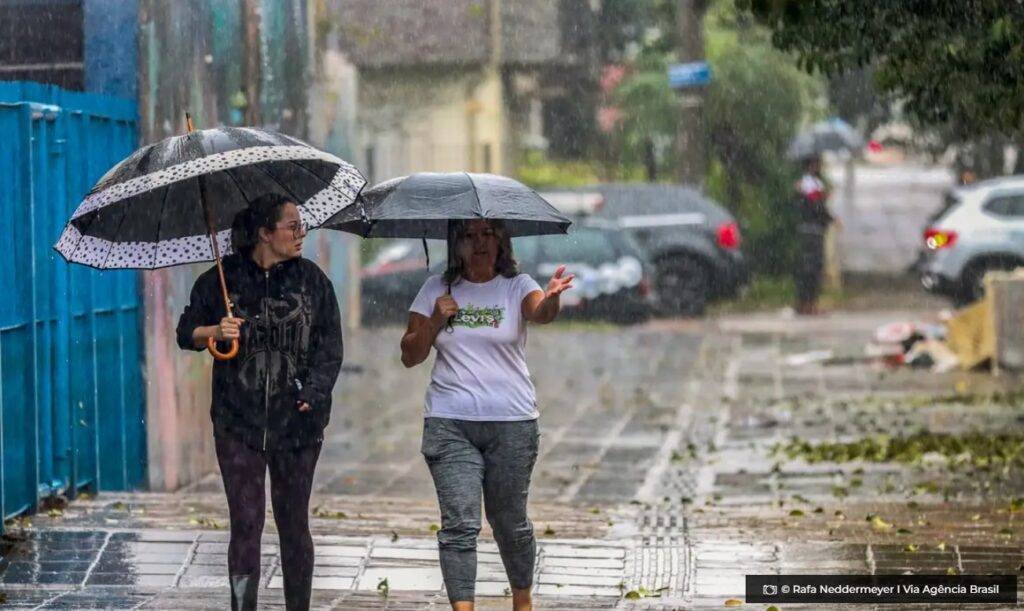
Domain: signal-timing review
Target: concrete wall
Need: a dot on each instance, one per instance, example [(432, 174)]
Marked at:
[(440, 119), (235, 62), (333, 100), (884, 211)]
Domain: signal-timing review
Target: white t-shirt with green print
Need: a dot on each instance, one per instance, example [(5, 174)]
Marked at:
[(480, 372)]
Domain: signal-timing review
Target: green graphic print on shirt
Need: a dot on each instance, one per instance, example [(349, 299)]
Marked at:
[(474, 317)]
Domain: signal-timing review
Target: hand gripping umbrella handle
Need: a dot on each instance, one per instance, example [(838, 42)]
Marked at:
[(211, 346)]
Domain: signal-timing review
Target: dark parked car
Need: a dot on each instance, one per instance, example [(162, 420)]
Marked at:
[(693, 242), (612, 276)]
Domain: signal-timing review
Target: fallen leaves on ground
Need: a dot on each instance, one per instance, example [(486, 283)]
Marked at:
[(321, 512), (206, 522), (880, 525), (974, 448)]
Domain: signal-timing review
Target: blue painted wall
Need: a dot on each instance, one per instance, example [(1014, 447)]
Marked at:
[(72, 398)]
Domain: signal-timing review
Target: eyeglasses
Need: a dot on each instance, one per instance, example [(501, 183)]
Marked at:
[(296, 228)]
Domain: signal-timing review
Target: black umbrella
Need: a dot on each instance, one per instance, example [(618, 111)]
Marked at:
[(421, 205), (832, 135), (173, 202)]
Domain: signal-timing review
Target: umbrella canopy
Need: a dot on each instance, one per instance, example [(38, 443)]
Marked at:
[(421, 205), (158, 207), (831, 135)]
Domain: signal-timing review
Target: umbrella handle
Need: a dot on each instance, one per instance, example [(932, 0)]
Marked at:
[(211, 346), (449, 325)]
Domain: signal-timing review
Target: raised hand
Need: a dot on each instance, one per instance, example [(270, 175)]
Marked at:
[(558, 285)]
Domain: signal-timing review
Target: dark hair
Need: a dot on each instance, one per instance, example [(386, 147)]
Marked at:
[(262, 212), (505, 265)]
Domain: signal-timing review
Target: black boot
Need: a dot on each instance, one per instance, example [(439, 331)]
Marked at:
[(297, 593), (244, 589)]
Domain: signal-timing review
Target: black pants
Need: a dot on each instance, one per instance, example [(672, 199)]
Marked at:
[(291, 481), (810, 264)]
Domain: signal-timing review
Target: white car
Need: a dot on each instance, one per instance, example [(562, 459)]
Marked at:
[(981, 229)]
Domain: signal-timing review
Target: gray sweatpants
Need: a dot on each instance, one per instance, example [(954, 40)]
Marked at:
[(494, 460)]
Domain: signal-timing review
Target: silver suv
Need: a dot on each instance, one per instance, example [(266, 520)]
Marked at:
[(980, 229)]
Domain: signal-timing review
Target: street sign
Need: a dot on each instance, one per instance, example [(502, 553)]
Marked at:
[(692, 74)]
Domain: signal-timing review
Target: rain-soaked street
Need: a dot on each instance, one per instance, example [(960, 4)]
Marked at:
[(769, 255), (676, 458)]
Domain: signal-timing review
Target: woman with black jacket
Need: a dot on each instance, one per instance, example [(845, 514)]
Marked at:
[(272, 401)]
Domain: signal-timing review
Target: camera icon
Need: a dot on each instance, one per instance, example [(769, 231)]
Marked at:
[(769, 589)]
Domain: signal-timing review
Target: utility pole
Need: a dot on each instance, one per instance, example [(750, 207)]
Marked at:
[(251, 61), (690, 144)]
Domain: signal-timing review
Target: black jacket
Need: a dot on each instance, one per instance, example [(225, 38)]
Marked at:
[(813, 209), (290, 350)]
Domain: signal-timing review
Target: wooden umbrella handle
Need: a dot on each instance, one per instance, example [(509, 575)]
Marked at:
[(211, 346)]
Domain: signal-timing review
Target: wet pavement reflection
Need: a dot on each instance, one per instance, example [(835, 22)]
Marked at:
[(662, 482)]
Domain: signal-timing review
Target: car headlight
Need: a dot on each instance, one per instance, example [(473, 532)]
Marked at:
[(631, 272)]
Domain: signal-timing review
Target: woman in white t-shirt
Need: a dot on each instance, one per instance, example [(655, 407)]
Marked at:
[(480, 434)]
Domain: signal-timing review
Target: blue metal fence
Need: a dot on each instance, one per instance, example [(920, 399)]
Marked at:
[(72, 402)]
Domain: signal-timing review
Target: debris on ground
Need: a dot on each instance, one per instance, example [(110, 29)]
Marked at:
[(965, 339), (919, 345), (932, 354), (972, 334)]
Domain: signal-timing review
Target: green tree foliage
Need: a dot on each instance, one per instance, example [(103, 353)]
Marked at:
[(650, 111), (628, 26), (956, 63), (855, 99), (757, 101)]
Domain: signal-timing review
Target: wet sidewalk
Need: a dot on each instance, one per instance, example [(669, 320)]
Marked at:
[(850, 468), (607, 418), (148, 568), (662, 482)]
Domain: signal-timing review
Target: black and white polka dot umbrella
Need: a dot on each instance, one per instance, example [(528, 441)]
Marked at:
[(148, 211), (173, 202)]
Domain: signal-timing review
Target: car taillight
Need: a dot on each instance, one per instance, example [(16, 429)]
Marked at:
[(937, 239), (643, 288), (729, 236)]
